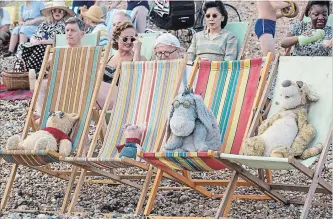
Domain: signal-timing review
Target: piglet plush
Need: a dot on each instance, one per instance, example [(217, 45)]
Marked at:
[(133, 134)]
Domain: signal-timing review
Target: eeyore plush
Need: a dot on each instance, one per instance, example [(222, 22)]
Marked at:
[(191, 127)]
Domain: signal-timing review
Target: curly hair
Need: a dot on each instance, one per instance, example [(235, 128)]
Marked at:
[(117, 31), (311, 3), (220, 6)]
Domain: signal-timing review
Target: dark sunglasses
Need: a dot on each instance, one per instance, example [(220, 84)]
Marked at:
[(58, 10), (213, 15), (165, 53), (126, 39)]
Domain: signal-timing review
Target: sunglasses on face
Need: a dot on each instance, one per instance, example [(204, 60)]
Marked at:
[(128, 39), (213, 15), (58, 11), (165, 53)]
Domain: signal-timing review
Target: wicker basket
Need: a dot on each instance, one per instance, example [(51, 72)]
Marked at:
[(16, 80)]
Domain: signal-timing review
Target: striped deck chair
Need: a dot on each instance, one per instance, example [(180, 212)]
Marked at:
[(232, 91), (148, 89), (73, 83), (320, 116)]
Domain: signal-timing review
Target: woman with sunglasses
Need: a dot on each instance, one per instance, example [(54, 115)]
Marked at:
[(29, 19), (128, 47), (33, 52), (214, 43)]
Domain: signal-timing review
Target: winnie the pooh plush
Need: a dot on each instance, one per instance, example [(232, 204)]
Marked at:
[(288, 132), (58, 126), (133, 135)]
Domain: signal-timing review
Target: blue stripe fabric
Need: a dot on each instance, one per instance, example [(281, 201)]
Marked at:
[(220, 86), (51, 89), (89, 96), (229, 98)]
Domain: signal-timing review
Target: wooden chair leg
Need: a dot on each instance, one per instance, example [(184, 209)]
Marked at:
[(69, 190), (316, 176), (269, 176), (153, 192), (144, 191), (8, 187), (227, 198), (77, 191)]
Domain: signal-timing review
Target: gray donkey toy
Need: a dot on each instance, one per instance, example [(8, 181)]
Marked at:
[(191, 126)]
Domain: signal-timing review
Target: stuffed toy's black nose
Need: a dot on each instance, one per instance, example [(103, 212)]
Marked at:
[(286, 83)]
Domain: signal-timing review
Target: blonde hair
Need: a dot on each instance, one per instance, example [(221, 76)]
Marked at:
[(117, 31)]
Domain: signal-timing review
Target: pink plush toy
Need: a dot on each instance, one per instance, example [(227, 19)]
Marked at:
[(133, 134)]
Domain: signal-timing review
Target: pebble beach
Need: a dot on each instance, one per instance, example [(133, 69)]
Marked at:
[(33, 190)]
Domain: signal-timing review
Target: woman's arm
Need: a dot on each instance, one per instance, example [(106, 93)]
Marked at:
[(191, 51), (277, 5), (35, 21), (289, 41), (231, 48)]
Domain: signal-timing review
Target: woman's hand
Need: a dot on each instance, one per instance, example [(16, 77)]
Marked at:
[(307, 33), (37, 42), (328, 45), (137, 45)]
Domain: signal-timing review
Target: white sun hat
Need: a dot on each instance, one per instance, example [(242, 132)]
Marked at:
[(167, 39)]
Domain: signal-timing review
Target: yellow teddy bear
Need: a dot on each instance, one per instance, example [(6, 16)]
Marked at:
[(288, 132), (58, 127)]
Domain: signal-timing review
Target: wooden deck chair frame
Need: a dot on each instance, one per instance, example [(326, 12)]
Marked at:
[(318, 184), (77, 62), (68, 205), (197, 184)]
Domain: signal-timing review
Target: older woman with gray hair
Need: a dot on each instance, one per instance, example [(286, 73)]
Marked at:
[(167, 47), (33, 52)]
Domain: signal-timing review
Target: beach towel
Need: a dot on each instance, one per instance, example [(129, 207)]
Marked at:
[(14, 94)]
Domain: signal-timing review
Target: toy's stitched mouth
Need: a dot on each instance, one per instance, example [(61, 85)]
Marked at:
[(287, 97)]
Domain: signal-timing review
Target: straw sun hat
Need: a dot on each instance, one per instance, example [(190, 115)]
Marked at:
[(94, 13), (57, 5)]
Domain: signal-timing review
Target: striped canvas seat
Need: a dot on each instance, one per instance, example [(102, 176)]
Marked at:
[(146, 92), (320, 113), (229, 90), (71, 85)]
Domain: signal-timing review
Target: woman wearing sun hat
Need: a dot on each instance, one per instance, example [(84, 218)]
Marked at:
[(33, 52), (93, 19)]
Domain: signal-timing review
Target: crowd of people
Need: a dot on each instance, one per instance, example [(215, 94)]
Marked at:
[(38, 25)]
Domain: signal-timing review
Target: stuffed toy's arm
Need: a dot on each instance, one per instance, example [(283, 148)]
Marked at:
[(302, 118), (65, 147), (267, 123), (173, 143), (200, 135)]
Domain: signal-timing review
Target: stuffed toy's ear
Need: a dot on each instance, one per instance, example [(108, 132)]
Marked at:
[(124, 127), (143, 127), (74, 116), (168, 130), (203, 112), (310, 94)]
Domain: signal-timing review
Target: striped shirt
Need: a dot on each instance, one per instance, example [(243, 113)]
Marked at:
[(223, 47), (103, 33)]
